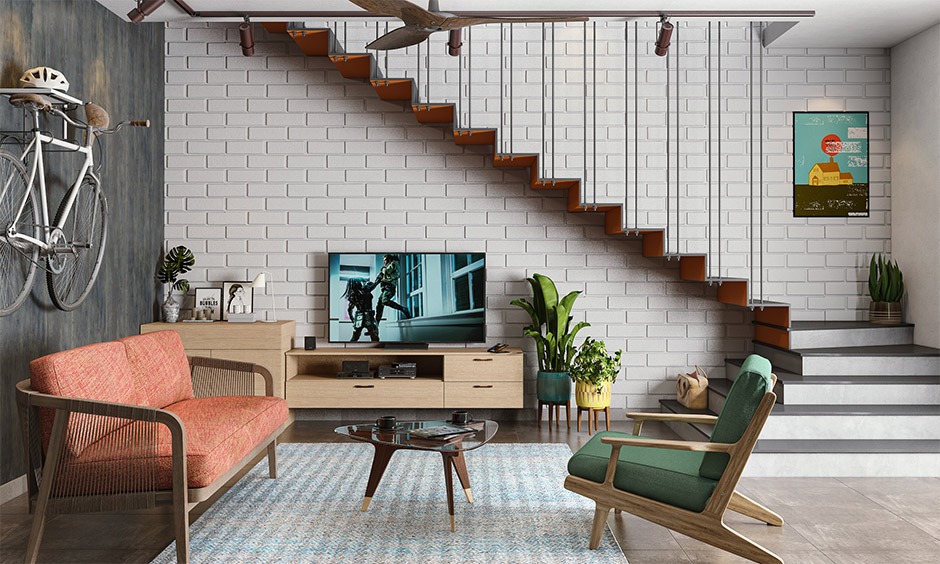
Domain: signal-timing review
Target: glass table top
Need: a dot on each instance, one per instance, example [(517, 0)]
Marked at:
[(407, 434)]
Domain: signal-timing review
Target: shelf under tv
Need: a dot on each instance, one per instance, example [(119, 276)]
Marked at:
[(449, 378)]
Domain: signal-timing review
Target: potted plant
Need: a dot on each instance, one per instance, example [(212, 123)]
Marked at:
[(886, 287), (178, 261), (551, 329), (593, 371)]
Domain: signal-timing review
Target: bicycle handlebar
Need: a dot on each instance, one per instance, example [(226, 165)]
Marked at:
[(92, 128), (140, 123)]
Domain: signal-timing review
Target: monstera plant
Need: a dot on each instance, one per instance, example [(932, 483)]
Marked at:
[(178, 261), (554, 335), (886, 287)]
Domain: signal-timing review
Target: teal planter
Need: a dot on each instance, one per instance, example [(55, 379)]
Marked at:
[(553, 387)]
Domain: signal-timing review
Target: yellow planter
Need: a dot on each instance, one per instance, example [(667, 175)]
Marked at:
[(593, 397)]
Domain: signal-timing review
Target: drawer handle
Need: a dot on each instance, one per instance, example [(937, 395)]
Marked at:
[(482, 360), (479, 386), (364, 386)]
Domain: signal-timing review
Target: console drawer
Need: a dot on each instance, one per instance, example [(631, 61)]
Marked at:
[(325, 392), (485, 367), (495, 395)]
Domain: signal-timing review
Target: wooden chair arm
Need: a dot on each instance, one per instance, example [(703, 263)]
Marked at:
[(640, 417), (672, 445), (222, 386)]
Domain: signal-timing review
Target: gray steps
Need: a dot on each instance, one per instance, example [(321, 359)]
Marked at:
[(882, 360), (818, 334)]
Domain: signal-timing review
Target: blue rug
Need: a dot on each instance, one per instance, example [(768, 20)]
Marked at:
[(311, 513)]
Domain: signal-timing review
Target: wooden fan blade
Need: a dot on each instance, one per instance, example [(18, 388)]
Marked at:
[(455, 22), (401, 37), (405, 11)]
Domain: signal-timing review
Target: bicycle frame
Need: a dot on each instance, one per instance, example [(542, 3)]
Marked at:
[(37, 171)]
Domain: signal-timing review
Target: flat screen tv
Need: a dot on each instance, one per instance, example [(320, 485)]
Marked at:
[(407, 297)]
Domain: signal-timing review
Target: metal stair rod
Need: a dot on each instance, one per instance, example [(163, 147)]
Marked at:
[(583, 187), (626, 127), (459, 114), (386, 54), (470, 77), (553, 102), (418, 72), (668, 155), (510, 87), (594, 108), (719, 152), (636, 128), (760, 140), (542, 104), (678, 140), (750, 64), (708, 89), (502, 86), (427, 69)]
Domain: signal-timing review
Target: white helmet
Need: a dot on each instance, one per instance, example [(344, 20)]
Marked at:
[(44, 77)]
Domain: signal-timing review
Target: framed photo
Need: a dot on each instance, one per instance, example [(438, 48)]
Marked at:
[(830, 164), (237, 297), (210, 301)]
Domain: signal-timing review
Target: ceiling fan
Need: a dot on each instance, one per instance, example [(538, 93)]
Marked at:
[(421, 23)]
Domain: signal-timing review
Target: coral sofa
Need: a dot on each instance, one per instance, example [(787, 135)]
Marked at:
[(133, 422)]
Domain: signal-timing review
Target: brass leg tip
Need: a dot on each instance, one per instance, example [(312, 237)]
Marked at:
[(469, 494), (365, 503), (453, 525)]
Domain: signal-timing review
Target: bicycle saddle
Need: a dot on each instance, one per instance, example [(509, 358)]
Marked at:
[(97, 116), (34, 101)]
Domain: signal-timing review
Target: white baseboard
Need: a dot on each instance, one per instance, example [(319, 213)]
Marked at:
[(14, 488)]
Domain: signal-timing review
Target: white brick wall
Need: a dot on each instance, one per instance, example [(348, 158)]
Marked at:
[(275, 160)]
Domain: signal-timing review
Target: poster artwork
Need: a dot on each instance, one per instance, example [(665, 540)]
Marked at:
[(830, 164)]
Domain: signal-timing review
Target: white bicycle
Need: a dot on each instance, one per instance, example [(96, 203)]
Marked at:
[(71, 246)]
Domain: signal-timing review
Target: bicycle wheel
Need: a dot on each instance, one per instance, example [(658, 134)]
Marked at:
[(74, 265), (18, 258)]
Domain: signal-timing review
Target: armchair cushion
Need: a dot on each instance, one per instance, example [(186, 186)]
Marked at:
[(220, 431), (668, 476), (160, 368), (743, 399), (97, 372)]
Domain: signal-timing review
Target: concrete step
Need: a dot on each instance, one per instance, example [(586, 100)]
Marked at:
[(796, 389), (843, 464), (884, 360), (828, 334), (834, 422)]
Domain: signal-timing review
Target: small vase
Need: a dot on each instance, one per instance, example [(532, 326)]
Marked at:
[(589, 396), (553, 387), (171, 310), (885, 313)]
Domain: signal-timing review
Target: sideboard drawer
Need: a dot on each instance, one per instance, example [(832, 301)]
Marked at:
[(496, 395), (487, 367), (325, 392)]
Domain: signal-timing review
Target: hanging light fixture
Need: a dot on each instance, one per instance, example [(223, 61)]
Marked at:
[(143, 10), (665, 34), (454, 43), (247, 38)]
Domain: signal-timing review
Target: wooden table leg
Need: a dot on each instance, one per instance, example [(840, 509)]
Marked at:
[(568, 413), (460, 466), (540, 414), (383, 453), (449, 483)]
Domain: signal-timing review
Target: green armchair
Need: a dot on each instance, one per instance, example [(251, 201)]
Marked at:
[(682, 485)]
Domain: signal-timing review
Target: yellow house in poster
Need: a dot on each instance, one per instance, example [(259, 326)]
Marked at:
[(828, 174)]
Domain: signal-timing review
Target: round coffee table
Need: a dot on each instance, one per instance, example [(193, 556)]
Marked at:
[(403, 437)]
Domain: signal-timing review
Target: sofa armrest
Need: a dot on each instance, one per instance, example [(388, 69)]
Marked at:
[(220, 377)]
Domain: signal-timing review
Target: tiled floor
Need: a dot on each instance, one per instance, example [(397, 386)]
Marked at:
[(828, 521)]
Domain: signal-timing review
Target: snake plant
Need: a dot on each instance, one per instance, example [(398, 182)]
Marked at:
[(885, 281), (551, 321)]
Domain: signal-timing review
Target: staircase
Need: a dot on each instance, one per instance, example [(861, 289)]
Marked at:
[(833, 416)]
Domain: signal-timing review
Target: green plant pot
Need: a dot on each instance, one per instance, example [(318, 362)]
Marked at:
[(553, 387)]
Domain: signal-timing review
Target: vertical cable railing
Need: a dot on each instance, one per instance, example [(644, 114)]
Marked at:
[(541, 157), (636, 129), (760, 46), (626, 126), (708, 90), (553, 103), (677, 49), (510, 88), (666, 238), (502, 88), (750, 206), (583, 187), (719, 152), (470, 78), (594, 108)]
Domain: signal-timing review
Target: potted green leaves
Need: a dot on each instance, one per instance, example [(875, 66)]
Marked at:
[(593, 371), (178, 261), (554, 337), (886, 287)]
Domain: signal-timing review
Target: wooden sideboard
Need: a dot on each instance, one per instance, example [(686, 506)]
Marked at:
[(259, 342), (449, 378)]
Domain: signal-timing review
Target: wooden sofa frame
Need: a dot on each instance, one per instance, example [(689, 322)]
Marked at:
[(707, 526), (216, 378)]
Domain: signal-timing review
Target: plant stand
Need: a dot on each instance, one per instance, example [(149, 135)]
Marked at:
[(557, 408), (592, 415)]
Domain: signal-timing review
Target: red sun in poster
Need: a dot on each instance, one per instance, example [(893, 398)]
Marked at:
[(832, 145)]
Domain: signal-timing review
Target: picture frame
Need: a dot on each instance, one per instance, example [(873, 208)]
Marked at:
[(831, 164), (241, 293), (210, 300)]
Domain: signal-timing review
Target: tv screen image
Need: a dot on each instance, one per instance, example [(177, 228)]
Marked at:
[(407, 297)]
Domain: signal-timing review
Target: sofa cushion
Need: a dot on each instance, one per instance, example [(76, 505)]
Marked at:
[(96, 372), (220, 431), (747, 391), (668, 476), (160, 368)]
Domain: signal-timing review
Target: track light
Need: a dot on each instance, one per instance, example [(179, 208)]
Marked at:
[(665, 34), (454, 43), (247, 38), (143, 10)]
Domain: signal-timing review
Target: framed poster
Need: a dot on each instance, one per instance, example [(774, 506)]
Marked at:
[(830, 164), (209, 300), (236, 298)]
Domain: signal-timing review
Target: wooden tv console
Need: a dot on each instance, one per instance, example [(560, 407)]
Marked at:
[(450, 378)]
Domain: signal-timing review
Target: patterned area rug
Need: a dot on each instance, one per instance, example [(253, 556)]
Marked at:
[(311, 512)]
